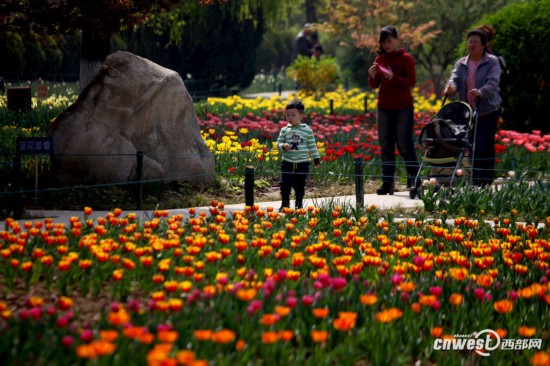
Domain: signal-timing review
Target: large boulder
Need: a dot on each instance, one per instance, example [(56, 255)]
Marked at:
[(131, 105)]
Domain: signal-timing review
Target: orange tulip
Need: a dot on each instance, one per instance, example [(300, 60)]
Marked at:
[(270, 337), (320, 312), (344, 324), (119, 317), (458, 274), (203, 334), (246, 294), (133, 332), (540, 358), (286, 335), (526, 331), (484, 280), (502, 333), (427, 300), (110, 335), (102, 347), (388, 315), (269, 319), (184, 357), (223, 336), (86, 351), (240, 345), (436, 332), (368, 299), (319, 336), (503, 306), (456, 299), (167, 336), (407, 286), (282, 310), (146, 338)]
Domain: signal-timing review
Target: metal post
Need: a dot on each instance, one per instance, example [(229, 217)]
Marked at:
[(139, 179), (331, 103), (249, 185), (280, 89), (16, 198), (359, 184)]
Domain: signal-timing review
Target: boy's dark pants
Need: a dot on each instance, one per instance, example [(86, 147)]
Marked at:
[(293, 175)]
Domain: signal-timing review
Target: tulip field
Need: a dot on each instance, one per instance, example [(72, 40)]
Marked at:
[(462, 282)]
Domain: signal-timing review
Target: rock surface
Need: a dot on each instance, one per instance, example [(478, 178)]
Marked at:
[(131, 105)]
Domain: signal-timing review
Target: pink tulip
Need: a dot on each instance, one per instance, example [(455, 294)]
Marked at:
[(308, 300), (339, 283), (436, 291), (479, 293), (87, 335), (67, 341), (254, 307)]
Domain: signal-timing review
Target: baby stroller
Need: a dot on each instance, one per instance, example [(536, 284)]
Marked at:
[(446, 140)]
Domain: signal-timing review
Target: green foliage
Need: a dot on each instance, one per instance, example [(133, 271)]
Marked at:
[(275, 49), (25, 57), (453, 20), (313, 76), (521, 36), (213, 48)]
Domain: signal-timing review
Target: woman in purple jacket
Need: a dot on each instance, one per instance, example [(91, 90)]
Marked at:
[(476, 78)]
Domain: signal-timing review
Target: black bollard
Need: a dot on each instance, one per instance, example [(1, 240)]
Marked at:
[(249, 185), (139, 179), (359, 183), (331, 103), (16, 198)]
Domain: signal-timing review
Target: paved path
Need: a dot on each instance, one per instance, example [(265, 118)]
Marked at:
[(400, 200)]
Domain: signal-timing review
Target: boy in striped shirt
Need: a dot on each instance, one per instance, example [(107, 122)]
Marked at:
[(298, 147)]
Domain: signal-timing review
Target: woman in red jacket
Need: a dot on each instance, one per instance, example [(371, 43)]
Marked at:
[(393, 71)]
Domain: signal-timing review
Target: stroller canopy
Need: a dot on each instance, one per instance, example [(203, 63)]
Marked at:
[(458, 112)]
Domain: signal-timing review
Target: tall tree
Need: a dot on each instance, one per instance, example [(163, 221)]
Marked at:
[(311, 11), (212, 47), (357, 23), (98, 20)]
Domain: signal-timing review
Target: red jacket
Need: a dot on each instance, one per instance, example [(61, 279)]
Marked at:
[(395, 93)]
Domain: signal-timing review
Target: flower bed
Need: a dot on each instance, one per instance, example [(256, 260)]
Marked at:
[(316, 286)]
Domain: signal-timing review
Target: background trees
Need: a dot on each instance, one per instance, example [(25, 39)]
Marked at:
[(213, 47), (452, 21), (522, 32), (218, 48), (96, 21)]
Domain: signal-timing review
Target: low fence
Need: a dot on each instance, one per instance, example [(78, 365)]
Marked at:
[(13, 180)]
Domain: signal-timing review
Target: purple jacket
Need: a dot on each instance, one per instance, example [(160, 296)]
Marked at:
[(487, 80)]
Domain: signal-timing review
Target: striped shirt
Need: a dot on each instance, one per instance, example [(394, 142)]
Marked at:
[(301, 141)]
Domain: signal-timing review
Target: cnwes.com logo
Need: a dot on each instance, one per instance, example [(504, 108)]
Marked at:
[(483, 342)]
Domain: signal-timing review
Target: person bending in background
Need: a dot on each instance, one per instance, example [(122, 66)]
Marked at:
[(297, 145), (476, 78), (394, 73)]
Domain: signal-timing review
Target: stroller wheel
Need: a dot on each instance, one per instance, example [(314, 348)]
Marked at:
[(412, 193)]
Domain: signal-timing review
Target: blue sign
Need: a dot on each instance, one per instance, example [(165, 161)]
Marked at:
[(34, 145)]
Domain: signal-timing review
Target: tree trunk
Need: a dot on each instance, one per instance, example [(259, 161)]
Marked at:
[(311, 11), (93, 51)]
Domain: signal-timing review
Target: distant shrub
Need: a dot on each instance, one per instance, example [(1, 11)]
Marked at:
[(314, 77)]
